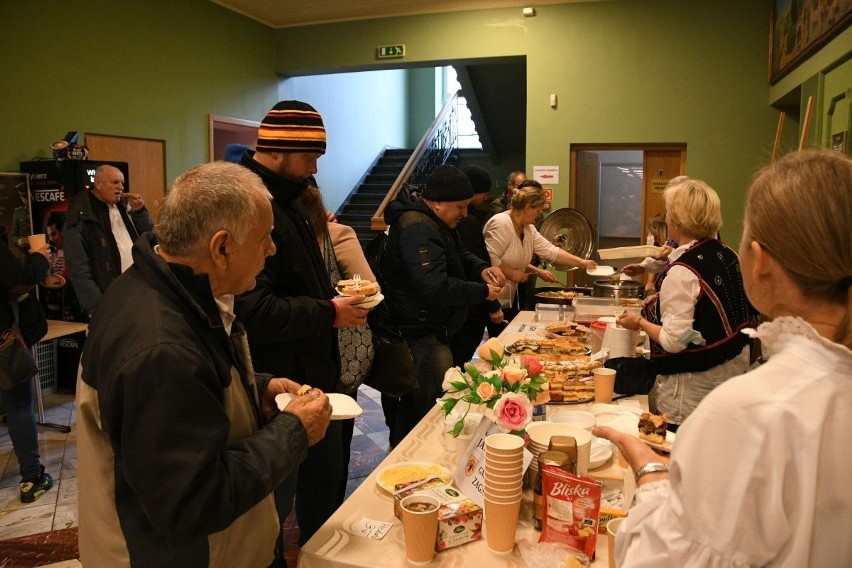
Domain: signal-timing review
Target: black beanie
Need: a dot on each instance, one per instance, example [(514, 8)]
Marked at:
[(291, 126), (479, 178), (447, 183)]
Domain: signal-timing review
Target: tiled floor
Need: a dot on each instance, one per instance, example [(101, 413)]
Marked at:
[(57, 509)]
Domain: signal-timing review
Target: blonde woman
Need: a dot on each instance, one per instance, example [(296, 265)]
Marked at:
[(696, 318), (512, 240), (759, 471)]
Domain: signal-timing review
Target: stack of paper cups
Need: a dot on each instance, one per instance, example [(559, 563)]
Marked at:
[(504, 469)]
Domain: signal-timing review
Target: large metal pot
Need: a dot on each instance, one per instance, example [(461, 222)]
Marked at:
[(619, 289)]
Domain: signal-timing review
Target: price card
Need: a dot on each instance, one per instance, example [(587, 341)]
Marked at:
[(369, 528)]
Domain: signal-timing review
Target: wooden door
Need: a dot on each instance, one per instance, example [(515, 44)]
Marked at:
[(146, 162), (659, 166)]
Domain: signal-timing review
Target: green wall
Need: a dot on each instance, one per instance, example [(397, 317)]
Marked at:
[(647, 71), (139, 69)]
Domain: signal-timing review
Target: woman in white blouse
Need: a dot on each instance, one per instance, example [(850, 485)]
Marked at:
[(696, 318), (512, 240), (759, 473)]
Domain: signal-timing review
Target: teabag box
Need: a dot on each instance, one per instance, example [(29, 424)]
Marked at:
[(459, 518)]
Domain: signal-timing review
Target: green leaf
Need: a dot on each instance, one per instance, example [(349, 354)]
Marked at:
[(448, 404), (457, 428), (459, 386)]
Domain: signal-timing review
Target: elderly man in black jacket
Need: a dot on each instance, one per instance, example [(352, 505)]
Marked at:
[(99, 234), (180, 444), (293, 314), (430, 281)]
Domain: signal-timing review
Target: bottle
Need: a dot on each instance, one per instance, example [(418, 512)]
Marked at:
[(539, 413), (559, 459)]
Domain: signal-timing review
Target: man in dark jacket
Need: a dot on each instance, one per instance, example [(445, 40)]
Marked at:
[(179, 441), (293, 313), (469, 335), (99, 235), (430, 280)]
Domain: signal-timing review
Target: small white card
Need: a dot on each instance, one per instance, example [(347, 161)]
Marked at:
[(369, 528)]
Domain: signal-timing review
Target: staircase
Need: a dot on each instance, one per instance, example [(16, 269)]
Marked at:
[(363, 202)]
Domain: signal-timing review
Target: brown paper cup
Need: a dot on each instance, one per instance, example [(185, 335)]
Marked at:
[(37, 241), (504, 444), (501, 520), (611, 530), (420, 528), (604, 384), (491, 477)]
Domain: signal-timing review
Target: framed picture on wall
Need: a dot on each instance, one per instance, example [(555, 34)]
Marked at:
[(800, 27)]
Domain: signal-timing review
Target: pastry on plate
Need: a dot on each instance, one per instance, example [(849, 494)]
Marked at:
[(652, 427), (358, 288)]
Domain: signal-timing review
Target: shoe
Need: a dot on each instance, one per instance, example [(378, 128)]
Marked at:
[(32, 490)]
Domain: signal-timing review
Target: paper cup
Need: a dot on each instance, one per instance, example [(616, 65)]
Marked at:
[(501, 521), (37, 241), (604, 384), (499, 471), (504, 460), (503, 444), (420, 528), (611, 530), (494, 478)]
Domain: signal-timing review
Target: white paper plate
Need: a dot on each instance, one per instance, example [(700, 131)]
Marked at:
[(371, 301), (600, 452), (390, 476), (601, 271), (342, 406), (665, 447)]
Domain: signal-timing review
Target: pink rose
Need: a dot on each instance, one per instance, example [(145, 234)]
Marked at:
[(482, 366), (513, 412), (486, 391), (532, 365), (513, 374), (491, 351)]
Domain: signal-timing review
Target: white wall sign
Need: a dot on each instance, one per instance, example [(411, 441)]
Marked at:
[(546, 174)]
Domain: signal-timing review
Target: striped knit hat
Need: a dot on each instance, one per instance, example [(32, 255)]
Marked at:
[(291, 126)]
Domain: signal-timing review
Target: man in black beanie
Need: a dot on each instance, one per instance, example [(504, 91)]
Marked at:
[(469, 335), (293, 313), (430, 281)]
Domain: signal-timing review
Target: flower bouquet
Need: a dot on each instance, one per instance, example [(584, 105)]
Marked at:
[(502, 388)]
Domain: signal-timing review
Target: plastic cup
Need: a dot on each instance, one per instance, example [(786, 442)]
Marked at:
[(611, 530), (501, 521), (37, 241), (420, 527), (604, 384)]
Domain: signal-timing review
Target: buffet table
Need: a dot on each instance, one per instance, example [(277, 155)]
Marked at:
[(339, 544)]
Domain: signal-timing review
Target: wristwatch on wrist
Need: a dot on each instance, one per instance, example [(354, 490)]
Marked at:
[(650, 467)]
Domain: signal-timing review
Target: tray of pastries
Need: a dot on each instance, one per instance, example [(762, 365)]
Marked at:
[(546, 346)]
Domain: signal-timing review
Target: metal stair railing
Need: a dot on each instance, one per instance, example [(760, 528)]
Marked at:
[(433, 150)]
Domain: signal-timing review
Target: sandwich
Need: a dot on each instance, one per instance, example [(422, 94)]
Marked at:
[(358, 288)]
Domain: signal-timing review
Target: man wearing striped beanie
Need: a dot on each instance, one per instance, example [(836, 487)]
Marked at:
[(293, 313)]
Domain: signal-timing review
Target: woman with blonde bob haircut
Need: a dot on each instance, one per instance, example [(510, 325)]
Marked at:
[(699, 309), (512, 239), (758, 474)]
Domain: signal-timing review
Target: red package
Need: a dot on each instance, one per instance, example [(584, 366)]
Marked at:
[(571, 507)]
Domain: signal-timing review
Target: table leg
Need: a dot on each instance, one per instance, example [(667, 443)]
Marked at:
[(39, 402)]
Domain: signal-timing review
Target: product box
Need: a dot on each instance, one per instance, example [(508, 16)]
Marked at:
[(459, 518), (571, 507)]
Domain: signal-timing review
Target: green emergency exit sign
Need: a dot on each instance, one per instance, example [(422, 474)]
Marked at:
[(391, 51)]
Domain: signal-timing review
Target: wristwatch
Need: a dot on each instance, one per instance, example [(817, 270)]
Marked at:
[(650, 467)]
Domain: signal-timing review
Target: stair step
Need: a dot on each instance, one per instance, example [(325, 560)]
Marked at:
[(381, 178)]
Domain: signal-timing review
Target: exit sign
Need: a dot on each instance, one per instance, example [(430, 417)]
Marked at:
[(391, 51)]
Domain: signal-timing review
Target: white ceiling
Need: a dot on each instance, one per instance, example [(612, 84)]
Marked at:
[(286, 13)]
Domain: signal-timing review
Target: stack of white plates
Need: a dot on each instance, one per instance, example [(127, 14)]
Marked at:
[(579, 418), (541, 432)]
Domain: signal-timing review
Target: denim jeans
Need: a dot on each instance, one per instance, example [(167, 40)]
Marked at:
[(432, 358), (23, 430)]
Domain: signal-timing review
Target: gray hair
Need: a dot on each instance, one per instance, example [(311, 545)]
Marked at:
[(208, 198)]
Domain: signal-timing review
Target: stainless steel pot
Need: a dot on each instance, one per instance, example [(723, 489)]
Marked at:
[(619, 289)]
